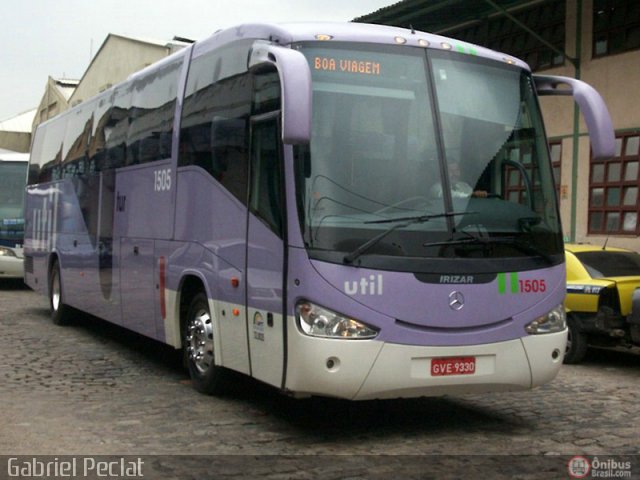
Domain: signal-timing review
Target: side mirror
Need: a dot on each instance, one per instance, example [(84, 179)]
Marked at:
[(295, 84), (594, 110)]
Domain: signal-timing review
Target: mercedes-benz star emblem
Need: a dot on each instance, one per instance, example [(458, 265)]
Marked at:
[(456, 300)]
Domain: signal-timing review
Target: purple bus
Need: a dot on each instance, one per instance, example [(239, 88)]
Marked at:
[(346, 210)]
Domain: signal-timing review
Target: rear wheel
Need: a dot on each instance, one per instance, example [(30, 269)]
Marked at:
[(576, 342), (199, 348), (60, 313)]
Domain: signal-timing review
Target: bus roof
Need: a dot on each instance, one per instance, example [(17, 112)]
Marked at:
[(288, 33)]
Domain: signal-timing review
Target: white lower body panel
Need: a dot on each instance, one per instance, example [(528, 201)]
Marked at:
[(369, 369)]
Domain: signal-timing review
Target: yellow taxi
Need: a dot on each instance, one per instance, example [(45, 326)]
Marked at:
[(603, 298)]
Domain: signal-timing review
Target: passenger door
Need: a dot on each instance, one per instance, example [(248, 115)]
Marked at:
[(265, 251), (144, 215)]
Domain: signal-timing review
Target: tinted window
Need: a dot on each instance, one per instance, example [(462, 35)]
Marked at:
[(47, 152), (76, 140), (35, 161), (97, 143), (605, 263), (266, 196), (115, 128), (153, 106), (215, 118), (266, 93)]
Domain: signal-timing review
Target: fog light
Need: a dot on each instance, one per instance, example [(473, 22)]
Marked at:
[(333, 364)]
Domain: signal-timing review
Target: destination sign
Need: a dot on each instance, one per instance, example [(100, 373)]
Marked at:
[(360, 67)]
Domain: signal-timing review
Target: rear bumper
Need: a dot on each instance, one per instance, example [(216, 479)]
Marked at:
[(364, 370)]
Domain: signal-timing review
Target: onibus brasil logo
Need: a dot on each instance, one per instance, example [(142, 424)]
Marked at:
[(581, 467)]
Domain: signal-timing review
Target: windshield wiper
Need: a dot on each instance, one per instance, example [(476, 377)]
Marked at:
[(405, 222), (523, 246)]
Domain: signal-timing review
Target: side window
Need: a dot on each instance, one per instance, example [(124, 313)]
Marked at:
[(97, 143), (266, 197), (115, 128), (153, 106), (36, 160), (51, 150), (215, 118), (266, 97), (76, 140)]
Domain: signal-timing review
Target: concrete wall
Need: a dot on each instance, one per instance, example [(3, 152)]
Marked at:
[(616, 77), (15, 141), (52, 103)]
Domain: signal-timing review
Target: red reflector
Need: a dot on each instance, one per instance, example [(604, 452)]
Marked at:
[(235, 282), (163, 304)]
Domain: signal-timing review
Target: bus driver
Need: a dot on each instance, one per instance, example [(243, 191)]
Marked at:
[(459, 188)]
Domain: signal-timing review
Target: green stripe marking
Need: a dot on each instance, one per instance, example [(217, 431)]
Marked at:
[(502, 283), (514, 282)]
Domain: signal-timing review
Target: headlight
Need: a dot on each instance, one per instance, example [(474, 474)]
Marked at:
[(317, 321), (553, 322), (7, 252)]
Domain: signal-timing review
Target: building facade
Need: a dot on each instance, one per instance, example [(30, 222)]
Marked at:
[(55, 99), (597, 41), (15, 132)]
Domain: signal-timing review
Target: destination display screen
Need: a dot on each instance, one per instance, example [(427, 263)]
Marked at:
[(345, 65), (351, 65)]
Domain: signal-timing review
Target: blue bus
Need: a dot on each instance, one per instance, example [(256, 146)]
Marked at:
[(13, 176), (346, 210)]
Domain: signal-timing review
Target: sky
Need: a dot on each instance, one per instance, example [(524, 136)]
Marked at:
[(42, 38)]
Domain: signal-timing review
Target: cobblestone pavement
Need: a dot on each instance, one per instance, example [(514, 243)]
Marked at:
[(95, 389)]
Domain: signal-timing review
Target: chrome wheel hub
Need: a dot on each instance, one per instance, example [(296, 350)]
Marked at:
[(199, 341), (55, 292)]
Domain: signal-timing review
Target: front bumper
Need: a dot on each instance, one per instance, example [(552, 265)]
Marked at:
[(370, 369)]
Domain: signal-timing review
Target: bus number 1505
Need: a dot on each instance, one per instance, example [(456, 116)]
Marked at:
[(162, 180)]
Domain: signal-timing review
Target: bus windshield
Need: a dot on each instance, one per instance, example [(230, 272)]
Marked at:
[(422, 154), (13, 176)]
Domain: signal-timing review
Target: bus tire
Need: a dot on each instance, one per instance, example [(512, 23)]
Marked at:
[(199, 349), (576, 342), (60, 312)]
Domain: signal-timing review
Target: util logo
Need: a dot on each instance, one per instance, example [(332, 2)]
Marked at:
[(371, 285), (44, 220)]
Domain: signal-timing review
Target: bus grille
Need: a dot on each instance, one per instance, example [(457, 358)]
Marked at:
[(28, 264)]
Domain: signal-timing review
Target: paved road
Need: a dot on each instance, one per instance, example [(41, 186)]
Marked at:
[(95, 389)]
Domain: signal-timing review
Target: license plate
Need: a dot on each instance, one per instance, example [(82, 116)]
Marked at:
[(441, 367)]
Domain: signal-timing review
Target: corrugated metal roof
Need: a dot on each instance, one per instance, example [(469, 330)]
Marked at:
[(436, 15), (19, 123), (66, 86), (175, 42), (10, 155)]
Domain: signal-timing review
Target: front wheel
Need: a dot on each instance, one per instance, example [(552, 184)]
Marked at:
[(199, 348), (60, 313), (576, 342)]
